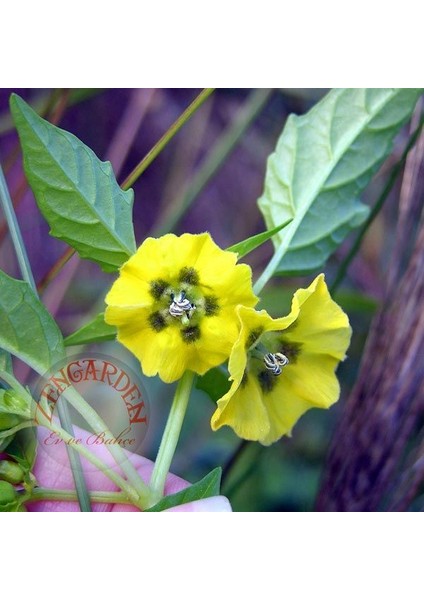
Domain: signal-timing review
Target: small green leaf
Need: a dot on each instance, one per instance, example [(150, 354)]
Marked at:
[(27, 330), (9, 498), (76, 192), (322, 162), (7, 420), (214, 383), (15, 400), (12, 472), (205, 488), (95, 331), (249, 244), (23, 448)]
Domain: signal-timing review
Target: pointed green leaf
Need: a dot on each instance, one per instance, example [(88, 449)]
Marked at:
[(95, 331), (205, 488), (23, 448), (322, 162), (27, 330), (76, 192), (249, 244)]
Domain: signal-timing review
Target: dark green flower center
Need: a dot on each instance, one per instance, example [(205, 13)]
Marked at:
[(268, 355), (181, 302)]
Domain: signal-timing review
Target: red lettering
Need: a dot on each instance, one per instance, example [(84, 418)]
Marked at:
[(76, 374), (134, 418), (52, 440), (108, 370), (131, 395), (119, 380), (91, 372), (57, 381)]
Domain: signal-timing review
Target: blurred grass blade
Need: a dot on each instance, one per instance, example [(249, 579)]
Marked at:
[(243, 248), (38, 104), (166, 138), (322, 162), (216, 157), (15, 232), (96, 331)]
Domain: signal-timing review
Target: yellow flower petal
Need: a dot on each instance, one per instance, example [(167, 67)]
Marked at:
[(309, 383), (320, 324), (241, 407), (244, 411)]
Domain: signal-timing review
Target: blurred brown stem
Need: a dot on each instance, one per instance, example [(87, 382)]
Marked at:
[(373, 439)]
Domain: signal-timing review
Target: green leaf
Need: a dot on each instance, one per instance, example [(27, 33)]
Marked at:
[(214, 383), (76, 192), (249, 244), (27, 330), (5, 361), (93, 332), (322, 162), (9, 498), (205, 488), (12, 472), (12, 403), (23, 448)]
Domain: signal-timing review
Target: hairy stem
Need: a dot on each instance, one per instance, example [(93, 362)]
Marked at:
[(41, 493), (171, 435)]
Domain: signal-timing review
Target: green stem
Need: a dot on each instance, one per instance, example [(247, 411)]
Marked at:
[(171, 435), (167, 137), (41, 493), (99, 426), (341, 273), (129, 491), (269, 270), (15, 232), (216, 157)]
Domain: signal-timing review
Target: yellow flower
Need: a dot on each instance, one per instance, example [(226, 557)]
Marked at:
[(280, 368), (174, 304)]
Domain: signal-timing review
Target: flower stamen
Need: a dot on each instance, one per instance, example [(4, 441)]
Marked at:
[(275, 362), (181, 307)]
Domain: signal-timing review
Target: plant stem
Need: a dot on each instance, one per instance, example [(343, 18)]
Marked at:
[(234, 457), (40, 493), (15, 232), (55, 270), (216, 157), (269, 270), (167, 137), (99, 426), (171, 435), (25, 268), (341, 273), (130, 492)]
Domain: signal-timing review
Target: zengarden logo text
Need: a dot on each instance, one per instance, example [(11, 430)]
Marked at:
[(109, 388)]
